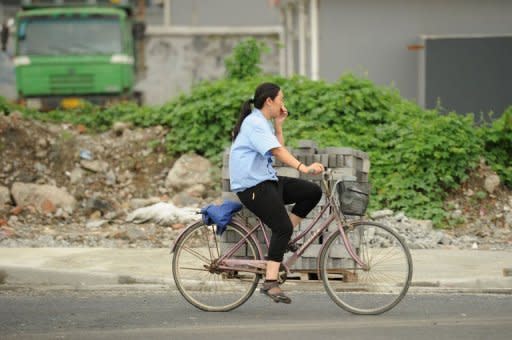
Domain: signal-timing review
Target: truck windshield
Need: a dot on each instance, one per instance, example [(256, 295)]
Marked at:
[(69, 35)]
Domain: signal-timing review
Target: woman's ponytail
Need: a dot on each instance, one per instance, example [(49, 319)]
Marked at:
[(244, 112)]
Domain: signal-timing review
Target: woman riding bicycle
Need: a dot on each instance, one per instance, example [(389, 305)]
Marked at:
[(256, 183)]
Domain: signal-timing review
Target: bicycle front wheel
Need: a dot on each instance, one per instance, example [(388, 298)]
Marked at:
[(378, 287), (202, 285)]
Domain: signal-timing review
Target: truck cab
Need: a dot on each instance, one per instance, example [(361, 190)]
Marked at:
[(69, 52)]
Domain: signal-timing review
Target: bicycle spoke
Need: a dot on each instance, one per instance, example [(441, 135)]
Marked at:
[(197, 269), (196, 254)]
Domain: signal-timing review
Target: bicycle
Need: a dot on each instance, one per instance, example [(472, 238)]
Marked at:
[(365, 266)]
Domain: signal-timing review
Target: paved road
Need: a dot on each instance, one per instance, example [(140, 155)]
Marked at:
[(158, 314)]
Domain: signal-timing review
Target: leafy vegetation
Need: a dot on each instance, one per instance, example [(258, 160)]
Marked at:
[(245, 60), (498, 146), (417, 155)]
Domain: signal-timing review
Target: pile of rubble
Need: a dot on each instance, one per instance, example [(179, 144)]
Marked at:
[(61, 186)]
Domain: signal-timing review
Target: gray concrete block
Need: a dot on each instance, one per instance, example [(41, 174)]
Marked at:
[(342, 173), (332, 160), (322, 159), (307, 143), (288, 172), (340, 161), (226, 185), (225, 172), (366, 165), (362, 177)]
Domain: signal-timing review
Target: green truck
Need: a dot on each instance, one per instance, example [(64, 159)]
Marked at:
[(70, 52)]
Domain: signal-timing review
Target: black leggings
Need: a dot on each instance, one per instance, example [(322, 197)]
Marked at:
[(267, 201)]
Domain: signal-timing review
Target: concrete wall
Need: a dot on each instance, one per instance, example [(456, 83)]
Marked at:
[(223, 13), (371, 36), (175, 63)]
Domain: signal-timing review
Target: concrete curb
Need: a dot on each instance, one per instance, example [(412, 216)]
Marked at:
[(446, 271)]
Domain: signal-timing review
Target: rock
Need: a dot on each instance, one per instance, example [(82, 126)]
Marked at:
[(437, 237), (184, 199), (110, 178), (80, 128), (508, 219), (48, 207), (16, 210), (97, 204), (423, 225), (381, 214), (95, 224), (189, 170), (399, 217), (95, 215), (135, 233), (446, 240), (41, 168), (94, 166), (38, 195), (86, 154), (75, 176), (491, 183), (197, 190), (120, 127), (5, 196), (469, 193), (177, 226)]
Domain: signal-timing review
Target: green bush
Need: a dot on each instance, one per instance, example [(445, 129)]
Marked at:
[(498, 146), (244, 62), (97, 118)]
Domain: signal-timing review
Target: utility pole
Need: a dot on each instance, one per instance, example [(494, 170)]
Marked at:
[(140, 40)]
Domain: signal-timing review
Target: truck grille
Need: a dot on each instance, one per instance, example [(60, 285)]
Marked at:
[(67, 83)]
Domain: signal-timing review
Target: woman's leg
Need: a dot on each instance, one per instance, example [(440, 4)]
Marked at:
[(265, 202), (295, 219), (304, 194)]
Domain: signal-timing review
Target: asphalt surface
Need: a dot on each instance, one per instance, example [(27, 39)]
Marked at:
[(163, 314)]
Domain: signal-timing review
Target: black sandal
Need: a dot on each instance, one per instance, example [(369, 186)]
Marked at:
[(277, 297)]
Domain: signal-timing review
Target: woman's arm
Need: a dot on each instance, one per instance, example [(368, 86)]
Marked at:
[(287, 158), (279, 133), (278, 125)]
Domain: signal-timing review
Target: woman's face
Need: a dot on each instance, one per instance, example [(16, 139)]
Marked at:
[(275, 105)]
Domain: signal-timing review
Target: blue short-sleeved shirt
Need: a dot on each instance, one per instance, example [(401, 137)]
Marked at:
[(250, 160)]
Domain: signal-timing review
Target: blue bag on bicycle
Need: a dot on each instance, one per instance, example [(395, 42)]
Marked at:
[(220, 214)]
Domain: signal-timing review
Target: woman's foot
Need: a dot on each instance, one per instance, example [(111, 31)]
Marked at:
[(272, 290)]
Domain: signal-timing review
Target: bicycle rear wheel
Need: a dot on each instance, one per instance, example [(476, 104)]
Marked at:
[(376, 289), (206, 288)]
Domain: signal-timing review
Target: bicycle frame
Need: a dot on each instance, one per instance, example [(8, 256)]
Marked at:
[(259, 266)]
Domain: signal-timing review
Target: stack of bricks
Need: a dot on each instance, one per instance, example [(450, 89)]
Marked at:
[(345, 164)]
